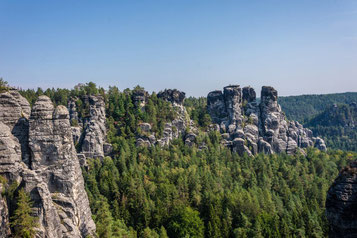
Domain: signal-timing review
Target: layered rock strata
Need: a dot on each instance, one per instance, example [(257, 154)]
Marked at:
[(14, 113), (341, 203), (51, 175), (249, 127), (4, 215), (90, 132), (140, 97), (54, 160)]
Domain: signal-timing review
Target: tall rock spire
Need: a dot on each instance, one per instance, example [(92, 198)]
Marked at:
[(54, 159)]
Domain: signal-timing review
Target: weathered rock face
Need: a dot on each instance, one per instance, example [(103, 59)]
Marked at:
[(216, 107), (51, 175), (172, 95), (233, 101), (262, 127), (341, 203), (4, 216), (10, 169), (55, 161), (94, 128), (249, 94), (140, 97), (14, 113), (91, 131), (172, 130)]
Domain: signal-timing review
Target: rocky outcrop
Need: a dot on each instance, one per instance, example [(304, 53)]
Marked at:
[(140, 97), (341, 203), (56, 164), (14, 113), (172, 95), (94, 127), (4, 215), (10, 170), (249, 127), (172, 130), (90, 132), (51, 173)]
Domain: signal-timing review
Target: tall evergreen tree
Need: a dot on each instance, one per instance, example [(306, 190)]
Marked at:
[(23, 222)]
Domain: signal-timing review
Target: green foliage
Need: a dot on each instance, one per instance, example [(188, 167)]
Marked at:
[(61, 96), (215, 191), (337, 125), (186, 222), (196, 107), (302, 108), (320, 113), (22, 222), (3, 86), (181, 191)]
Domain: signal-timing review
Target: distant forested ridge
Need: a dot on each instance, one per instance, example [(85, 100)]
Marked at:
[(331, 116), (304, 107), (337, 125)]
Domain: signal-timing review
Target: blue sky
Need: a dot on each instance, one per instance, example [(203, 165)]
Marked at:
[(298, 47)]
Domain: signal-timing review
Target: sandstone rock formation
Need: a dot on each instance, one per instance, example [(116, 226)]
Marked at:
[(54, 159), (249, 127), (4, 216), (174, 129), (51, 174), (341, 203), (91, 132), (14, 113), (140, 97), (172, 95)]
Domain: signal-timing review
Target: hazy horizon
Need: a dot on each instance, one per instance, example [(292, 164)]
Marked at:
[(298, 47)]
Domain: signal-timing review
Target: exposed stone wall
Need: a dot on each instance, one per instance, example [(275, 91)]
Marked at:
[(4, 215), (55, 160), (51, 173), (341, 203), (249, 127), (91, 131)]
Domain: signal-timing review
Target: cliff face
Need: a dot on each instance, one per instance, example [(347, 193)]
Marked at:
[(45, 165), (249, 127), (341, 203), (91, 132)]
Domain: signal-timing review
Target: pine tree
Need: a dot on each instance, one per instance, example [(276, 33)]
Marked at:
[(22, 222)]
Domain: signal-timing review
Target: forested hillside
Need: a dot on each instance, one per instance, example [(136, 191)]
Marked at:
[(337, 125), (329, 116), (304, 107), (190, 191)]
